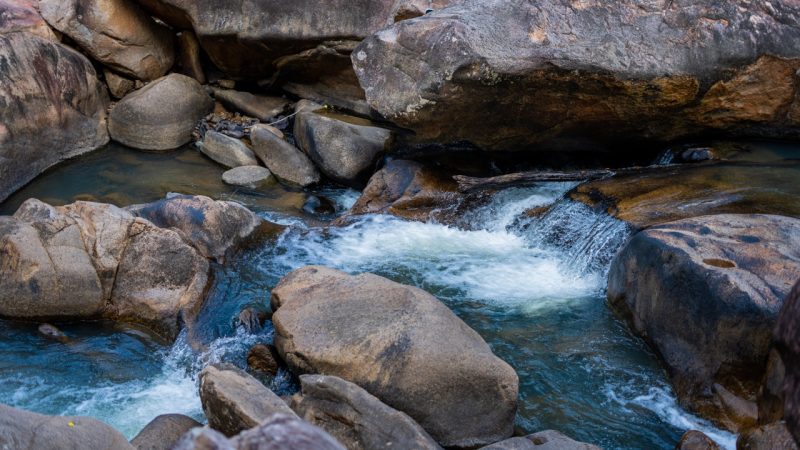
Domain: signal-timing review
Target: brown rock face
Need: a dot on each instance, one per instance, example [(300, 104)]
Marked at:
[(117, 33), (767, 437), (696, 440), (400, 344), (23, 430), (787, 342), (555, 73), (355, 418), (90, 260), (163, 432), (705, 293), (54, 107), (22, 15)]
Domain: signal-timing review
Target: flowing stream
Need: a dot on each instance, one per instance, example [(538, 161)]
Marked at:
[(533, 287)]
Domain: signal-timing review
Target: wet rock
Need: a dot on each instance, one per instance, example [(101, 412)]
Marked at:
[(252, 318), (228, 151), (23, 15), (344, 148), (52, 332), (286, 432), (163, 432), (118, 85), (23, 430), (216, 228), (550, 74), (189, 60), (543, 440), (767, 437), (787, 344), (400, 344), (705, 293), (249, 176), (319, 205), (90, 260), (118, 33), (283, 159), (42, 127), (696, 440), (355, 417), (234, 401), (661, 195), (264, 358), (161, 115), (409, 190), (259, 106), (204, 439)]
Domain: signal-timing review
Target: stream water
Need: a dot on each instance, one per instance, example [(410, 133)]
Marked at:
[(533, 288)]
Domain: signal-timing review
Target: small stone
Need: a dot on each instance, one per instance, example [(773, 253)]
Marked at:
[(248, 176), (228, 151), (264, 358), (252, 318), (52, 332)]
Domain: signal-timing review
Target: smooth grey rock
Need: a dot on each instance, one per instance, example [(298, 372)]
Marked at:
[(228, 151), (163, 432), (285, 432), (251, 176), (283, 159), (543, 440)]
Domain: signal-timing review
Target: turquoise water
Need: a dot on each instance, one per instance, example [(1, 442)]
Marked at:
[(533, 288)]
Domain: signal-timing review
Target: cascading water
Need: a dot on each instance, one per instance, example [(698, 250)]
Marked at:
[(533, 287)]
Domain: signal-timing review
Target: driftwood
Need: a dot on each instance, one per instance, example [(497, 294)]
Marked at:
[(467, 184)]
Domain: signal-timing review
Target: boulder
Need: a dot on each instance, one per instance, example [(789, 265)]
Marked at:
[(204, 439), (696, 440), (552, 74), (285, 432), (118, 33), (264, 358), (355, 417), (261, 107), (248, 176), (163, 432), (409, 190), (22, 15), (543, 440), (23, 430), (216, 228), (161, 115), (705, 293), (234, 401), (228, 151), (401, 345), (344, 148), (118, 85), (766, 437), (787, 344), (189, 60), (283, 159), (42, 127)]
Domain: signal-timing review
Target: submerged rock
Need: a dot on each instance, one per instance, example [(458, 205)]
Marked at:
[(696, 440), (42, 127), (344, 148), (161, 115), (163, 432), (555, 74), (23, 430), (400, 344), (283, 159), (234, 401), (787, 344), (52, 332), (355, 417), (767, 437), (543, 440), (118, 33), (705, 293), (228, 151), (248, 176)]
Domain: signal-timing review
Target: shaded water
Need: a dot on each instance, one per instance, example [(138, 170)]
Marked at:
[(532, 287)]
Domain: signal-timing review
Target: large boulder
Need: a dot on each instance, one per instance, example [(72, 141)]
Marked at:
[(355, 417), (556, 74), (400, 344), (90, 260), (22, 15), (234, 401), (787, 344), (345, 148), (163, 432), (543, 440), (118, 33), (216, 228), (161, 115), (53, 107), (705, 293), (23, 430), (283, 159)]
